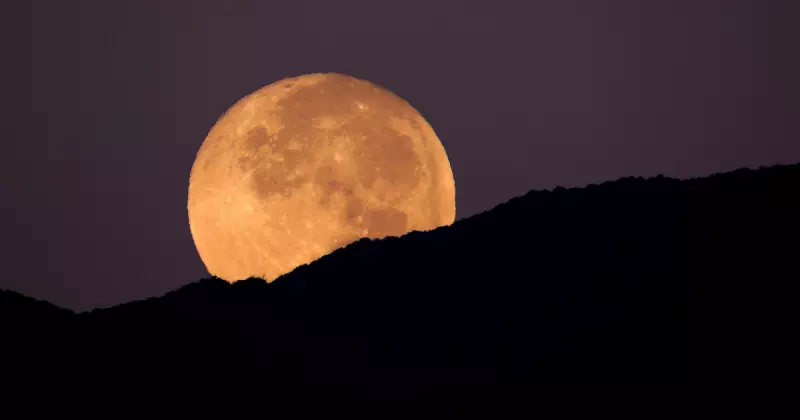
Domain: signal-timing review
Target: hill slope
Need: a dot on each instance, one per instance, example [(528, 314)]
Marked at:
[(655, 280)]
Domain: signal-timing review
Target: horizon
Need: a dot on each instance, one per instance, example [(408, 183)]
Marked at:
[(417, 234)]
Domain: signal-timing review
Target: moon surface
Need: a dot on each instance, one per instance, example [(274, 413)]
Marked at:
[(310, 164)]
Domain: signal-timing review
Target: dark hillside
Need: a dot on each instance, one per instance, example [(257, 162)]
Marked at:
[(636, 280)]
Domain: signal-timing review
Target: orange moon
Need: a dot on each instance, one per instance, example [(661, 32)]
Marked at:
[(310, 164)]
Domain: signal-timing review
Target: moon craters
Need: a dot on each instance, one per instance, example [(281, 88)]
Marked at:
[(309, 164)]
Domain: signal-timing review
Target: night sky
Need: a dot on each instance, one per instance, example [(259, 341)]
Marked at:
[(109, 101)]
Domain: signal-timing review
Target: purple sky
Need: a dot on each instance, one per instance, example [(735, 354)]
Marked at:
[(110, 100)]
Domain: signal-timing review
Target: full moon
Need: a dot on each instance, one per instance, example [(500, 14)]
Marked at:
[(310, 164)]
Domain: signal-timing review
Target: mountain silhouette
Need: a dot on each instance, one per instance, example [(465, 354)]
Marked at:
[(637, 280)]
